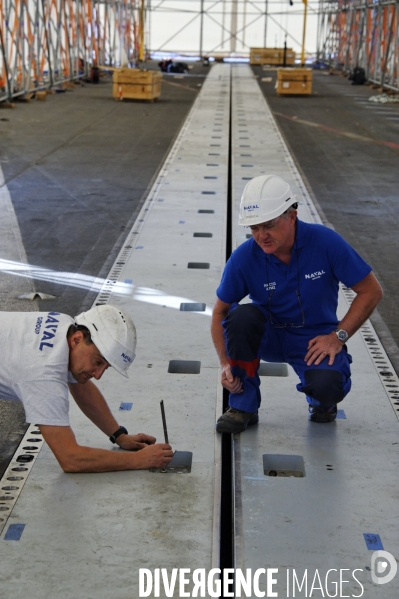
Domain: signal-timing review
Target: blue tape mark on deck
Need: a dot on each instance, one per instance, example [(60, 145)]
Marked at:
[(182, 222), (373, 542), (14, 532), (125, 406), (139, 247), (128, 281), (341, 414)]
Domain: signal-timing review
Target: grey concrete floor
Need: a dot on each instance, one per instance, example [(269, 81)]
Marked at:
[(78, 167), (348, 150)]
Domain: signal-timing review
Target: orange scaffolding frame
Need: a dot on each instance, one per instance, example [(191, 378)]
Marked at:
[(361, 33), (44, 43)]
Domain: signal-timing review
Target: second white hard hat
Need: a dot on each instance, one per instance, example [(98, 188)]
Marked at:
[(264, 198), (113, 333)]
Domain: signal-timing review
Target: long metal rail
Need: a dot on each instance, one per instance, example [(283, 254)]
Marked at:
[(97, 531), (319, 524)]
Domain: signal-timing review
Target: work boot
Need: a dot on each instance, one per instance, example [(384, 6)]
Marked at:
[(236, 421), (317, 414)]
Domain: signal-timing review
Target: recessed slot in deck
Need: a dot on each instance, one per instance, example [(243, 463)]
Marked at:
[(283, 465), (201, 265), (184, 367), (192, 307), (180, 464)]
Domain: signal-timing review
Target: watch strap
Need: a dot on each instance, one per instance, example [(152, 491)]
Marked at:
[(121, 431)]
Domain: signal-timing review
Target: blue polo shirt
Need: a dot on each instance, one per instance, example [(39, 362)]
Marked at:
[(320, 260)]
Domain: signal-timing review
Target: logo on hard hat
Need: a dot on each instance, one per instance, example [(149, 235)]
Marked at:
[(251, 208), (126, 358)]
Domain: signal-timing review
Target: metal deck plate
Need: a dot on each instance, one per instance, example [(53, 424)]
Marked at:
[(93, 532), (315, 523)]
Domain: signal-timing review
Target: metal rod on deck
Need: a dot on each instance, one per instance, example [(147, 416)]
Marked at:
[(165, 430)]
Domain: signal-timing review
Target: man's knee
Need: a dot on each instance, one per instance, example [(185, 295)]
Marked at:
[(247, 317), (245, 327), (327, 386)]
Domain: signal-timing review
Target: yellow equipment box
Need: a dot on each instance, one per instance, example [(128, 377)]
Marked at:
[(294, 82), (134, 84), (271, 56)]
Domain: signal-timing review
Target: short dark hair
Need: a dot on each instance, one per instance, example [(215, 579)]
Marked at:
[(74, 328), (291, 209)]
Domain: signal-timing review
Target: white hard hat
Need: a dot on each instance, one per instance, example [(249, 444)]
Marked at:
[(263, 199), (114, 334)]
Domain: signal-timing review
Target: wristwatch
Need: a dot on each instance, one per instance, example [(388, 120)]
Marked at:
[(342, 335), (121, 431)]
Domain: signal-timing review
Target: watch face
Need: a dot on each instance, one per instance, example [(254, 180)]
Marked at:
[(342, 335)]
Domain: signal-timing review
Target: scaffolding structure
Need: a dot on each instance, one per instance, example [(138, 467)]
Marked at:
[(360, 33), (44, 43)]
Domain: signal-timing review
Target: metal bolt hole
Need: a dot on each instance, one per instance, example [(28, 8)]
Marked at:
[(25, 457), (10, 488), (200, 265), (19, 469), (15, 478)]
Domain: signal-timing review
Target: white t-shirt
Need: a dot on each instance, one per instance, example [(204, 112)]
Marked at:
[(34, 364)]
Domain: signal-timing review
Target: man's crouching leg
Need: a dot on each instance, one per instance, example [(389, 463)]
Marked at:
[(324, 390), (244, 328)]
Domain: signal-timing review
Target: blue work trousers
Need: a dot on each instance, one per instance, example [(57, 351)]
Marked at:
[(250, 337)]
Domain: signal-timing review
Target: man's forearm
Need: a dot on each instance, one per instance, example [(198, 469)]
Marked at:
[(88, 459), (357, 314), (77, 458), (218, 338), (361, 308)]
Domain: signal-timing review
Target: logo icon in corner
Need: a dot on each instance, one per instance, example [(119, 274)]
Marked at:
[(383, 567)]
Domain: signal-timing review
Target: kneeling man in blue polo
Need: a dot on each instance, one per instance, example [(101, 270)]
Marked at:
[(291, 271)]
